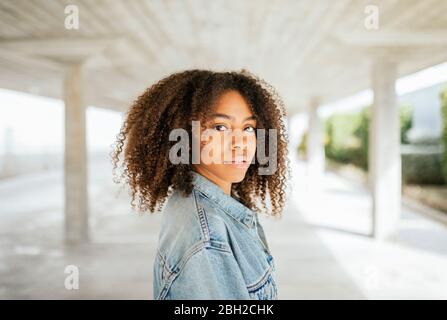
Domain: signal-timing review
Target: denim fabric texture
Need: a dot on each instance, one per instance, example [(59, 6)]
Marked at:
[(211, 246)]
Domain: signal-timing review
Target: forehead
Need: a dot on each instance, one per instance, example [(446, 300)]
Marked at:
[(233, 104)]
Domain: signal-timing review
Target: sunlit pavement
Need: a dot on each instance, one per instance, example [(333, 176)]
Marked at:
[(321, 246), (412, 267), (116, 264)]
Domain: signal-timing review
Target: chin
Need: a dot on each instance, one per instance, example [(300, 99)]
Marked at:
[(236, 177)]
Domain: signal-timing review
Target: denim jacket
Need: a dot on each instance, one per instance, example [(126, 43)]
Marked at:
[(211, 246)]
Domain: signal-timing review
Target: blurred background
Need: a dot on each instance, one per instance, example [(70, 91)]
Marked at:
[(365, 87)]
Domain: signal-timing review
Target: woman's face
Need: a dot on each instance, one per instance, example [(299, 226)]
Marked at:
[(228, 140)]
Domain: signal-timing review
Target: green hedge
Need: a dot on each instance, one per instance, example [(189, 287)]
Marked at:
[(342, 143), (422, 167), (302, 147), (443, 97), (347, 135)]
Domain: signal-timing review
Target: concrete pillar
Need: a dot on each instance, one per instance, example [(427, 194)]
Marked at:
[(384, 151), (76, 200), (315, 147)]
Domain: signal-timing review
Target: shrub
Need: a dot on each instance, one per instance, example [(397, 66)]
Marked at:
[(443, 97), (348, 135), (406, 122), (347, 141), (302, 147), (422, 164)]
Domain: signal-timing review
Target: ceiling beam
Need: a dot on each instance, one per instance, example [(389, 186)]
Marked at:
[(60, 48), (389, 38)]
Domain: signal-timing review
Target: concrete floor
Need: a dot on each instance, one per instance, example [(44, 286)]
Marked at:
[(411, 267), (320, 246)]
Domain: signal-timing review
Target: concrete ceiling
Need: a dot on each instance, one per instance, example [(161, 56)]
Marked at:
[(306, 49)]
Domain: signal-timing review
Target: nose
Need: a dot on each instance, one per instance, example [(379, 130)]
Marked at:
[(237, 140)]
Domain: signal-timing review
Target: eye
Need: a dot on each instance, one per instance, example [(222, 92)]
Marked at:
[(250, 129), (220, 127)]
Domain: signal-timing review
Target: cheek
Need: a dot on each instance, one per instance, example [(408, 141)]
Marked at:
[(251, 145), (212, 148)]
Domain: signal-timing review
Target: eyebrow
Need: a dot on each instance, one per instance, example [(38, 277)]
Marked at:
[(226, 116)]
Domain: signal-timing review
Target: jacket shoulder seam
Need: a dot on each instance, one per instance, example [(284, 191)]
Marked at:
[(201, 215)]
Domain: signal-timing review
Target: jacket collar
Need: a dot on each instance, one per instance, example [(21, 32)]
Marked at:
[(229, 204)]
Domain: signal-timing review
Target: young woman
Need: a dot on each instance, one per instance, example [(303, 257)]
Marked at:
[(192, 147)]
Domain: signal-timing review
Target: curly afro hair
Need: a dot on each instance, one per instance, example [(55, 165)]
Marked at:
[(141, 150)]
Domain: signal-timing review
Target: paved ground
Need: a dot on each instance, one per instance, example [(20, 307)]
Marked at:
[(412, 267), (319, 245)]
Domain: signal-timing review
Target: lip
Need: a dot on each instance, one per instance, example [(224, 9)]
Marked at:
[(238, 164)]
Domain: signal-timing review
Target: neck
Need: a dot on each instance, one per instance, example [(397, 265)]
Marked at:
[(224, 185)]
